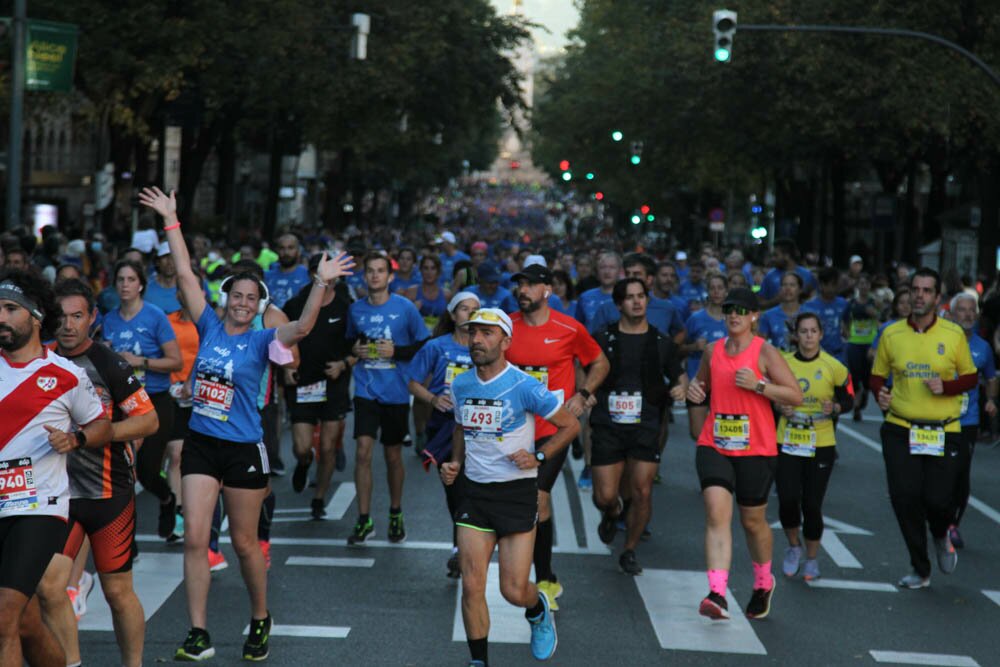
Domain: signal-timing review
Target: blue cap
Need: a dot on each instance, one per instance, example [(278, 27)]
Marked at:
[(489, 273)]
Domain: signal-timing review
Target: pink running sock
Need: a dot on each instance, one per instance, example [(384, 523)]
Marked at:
[(762, 575), (718, 580)]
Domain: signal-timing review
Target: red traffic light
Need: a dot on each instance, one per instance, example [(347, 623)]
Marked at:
[(564, 165), (644, 209), (599, 196)]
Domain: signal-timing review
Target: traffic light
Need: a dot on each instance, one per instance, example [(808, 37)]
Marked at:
[(599, 196), (636, 218), (724, 27), (564, 165), (636, 151), (567, 176), (759, 232), (617, 135), (644, 209), (650, 218), (590, 175)]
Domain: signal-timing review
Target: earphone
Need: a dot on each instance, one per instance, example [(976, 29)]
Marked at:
[(548, 293), (226, 285)]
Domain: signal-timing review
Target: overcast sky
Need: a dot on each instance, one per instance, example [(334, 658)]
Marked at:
[(556, 15)]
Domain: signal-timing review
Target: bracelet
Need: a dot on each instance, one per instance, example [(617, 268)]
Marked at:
[(176, 225), (317, 281)]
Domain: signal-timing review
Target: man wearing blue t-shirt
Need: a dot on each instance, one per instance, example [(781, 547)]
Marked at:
[(495, 463), (386, 330), (450, 255), (662, 314), (693, 289), (161, 291), (289, 276), (489, 291), (609, 267), (785, 257), (831, 310)]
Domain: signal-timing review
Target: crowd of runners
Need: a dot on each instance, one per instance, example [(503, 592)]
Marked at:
[(493, 346)]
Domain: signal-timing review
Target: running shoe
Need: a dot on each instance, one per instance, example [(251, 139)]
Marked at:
[(318, 509), (543, 633), (301, 475), (585, 483), (86, 584), (551, 590), (454, 568), (265, 548), (216, 561), (955, 537), (397, 529), (628, 563), (178, 533), (793, 560), (197, 647), (340, 460), (608, 526), (362, 531), (74, 594), (165, 525), (476, 663), (760, 602), (715, 607), (277, 467), (810, 569), (646, 534), (407, 441), (914, 580), (255, 648), (947, 557)]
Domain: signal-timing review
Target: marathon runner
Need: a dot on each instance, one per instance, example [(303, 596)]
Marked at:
[(609, 268), (704, 327), (626, 421), (224, 445), (102, 486), (287, 276), (861, 320), (807, 443), (776, 323), (546, 344), (496, 462), (737, 449), (785, 257), (50, 408), (831, 310), (931, 368)]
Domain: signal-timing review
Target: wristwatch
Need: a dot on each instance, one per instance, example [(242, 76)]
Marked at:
[(586, 394), (81, 439), (540, 457), (760, 387)]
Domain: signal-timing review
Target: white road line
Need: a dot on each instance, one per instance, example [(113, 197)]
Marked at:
[(224, 528), (562, 515), (319, 631), (341, 501), (988, 511), (156, 575), (840, 554), (329, 562), (993, 595), (844, 528), (292, 510), (847, 585), (507, 624), (671, 598), (591, 515), (939, 659)]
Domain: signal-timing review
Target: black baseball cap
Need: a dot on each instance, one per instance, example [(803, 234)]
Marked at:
[(536, 273), (742, 296)]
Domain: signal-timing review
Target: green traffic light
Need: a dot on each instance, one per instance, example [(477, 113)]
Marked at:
[(650, 217), (635, 159), (722, 55), (617, 135), (636, 219), (590, 175), (567, 176)]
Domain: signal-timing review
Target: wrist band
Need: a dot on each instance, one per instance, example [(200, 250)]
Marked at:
[(317, 281), (176, 225)]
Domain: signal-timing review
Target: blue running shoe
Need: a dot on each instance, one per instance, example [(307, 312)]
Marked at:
[(543, 633)]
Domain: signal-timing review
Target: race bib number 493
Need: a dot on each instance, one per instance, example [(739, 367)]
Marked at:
[(482, 418)]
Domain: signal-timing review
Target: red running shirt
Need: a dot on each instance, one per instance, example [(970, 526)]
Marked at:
[(739, 422), (547, 352)]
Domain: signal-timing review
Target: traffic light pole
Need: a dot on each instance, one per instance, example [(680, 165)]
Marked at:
[(891, 32)]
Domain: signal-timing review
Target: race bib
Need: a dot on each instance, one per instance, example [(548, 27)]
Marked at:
[(732, 432), (482, 419), (213, 396), (799, 440), (927, 440), (625, 408), (17, 486), (453, 370), (374, 363), (311, 393), (965, 405), (540, 373)]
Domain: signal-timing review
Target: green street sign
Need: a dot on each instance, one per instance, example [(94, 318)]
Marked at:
[(51, 56)]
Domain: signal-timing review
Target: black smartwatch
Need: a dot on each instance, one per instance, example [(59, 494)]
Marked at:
[(540, 457), (81, 439), (583, 392)]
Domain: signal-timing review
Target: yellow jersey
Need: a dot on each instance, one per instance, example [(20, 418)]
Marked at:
[(942, 351), (818, 378)]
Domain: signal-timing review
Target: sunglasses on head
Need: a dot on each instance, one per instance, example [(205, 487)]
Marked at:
[(739, 310), (486, 316)]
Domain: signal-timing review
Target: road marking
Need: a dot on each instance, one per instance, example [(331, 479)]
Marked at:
[(591, 515), (839, 553), (507, 623), (988, 511), (847, 585), (155, 576), (562, 515), (672, 597), (320, 631), (341, 501), (940, 659), (993, 595), (844, 528), (329, 562), (292, 510)]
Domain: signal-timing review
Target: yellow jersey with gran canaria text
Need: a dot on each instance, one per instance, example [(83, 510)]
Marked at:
[(910, 357), (818, 378)]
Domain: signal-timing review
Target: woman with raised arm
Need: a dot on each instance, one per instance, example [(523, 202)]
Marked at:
[(223, 449)]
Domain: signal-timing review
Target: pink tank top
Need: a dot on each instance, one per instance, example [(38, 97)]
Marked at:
[(739, 422)]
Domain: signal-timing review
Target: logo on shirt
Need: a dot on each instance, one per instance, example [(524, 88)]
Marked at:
[(941, 348), (393, 316), (376, 319), (241, 346), (141, 329), (221, 351), (333, 319), (552, 340), (819, 375), (46, 383), (125, 335)]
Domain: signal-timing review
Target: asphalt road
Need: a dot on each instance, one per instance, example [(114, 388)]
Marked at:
[(393, 605)]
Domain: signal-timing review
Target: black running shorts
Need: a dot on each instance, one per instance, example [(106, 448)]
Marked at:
[(750, 477), (110, 525), (27, 544), (503, 508), (238, 465), (392, 419), (614, 443)]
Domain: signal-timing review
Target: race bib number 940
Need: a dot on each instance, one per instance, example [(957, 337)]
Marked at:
[(17, 486)]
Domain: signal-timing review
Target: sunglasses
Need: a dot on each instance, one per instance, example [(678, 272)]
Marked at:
[(739, 310), (486, 316)]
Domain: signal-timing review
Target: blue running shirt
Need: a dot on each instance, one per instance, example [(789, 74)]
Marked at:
[(283, 286), (774, 326), (498, 418), (831, 314), (588, 305), (143, 336), (982, 357), (441, 358), (661, 315), (503, 298), (702, 325), (397, 320)]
